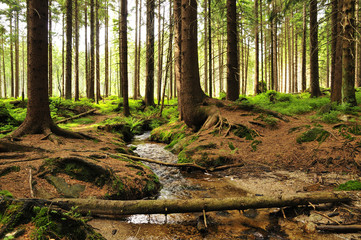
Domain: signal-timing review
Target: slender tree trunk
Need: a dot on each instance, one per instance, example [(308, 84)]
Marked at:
[(69, 37), (275, 57), (63, 59), (92, 52), (359, 43), (139, 48), (50, 54), (86, 62), (304, 49), (348, 52), (296, 62), (272, 75), (12, 58), (220, 63), (314, 74), (210, 58), (149, 85), (246, 70), (293, 54), (289, 53), (205, 46), (97, 51), (4, 69), (328, 61), (191, 92), (256, 43), (124, 60), (232, 52), (106, 50), (336, 49), (23, 85), (76, 60), (160, 53), (17, 70), (177, 52), (135, 89)]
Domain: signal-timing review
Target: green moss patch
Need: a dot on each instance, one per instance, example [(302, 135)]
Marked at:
[(314, 134), (352, 185)]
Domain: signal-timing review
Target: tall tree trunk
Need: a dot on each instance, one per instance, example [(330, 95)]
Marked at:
[(135, 89), (232, 52), (17, 70), (328, 60), (38, 119), (86, 62), (220, 64), (12, 58), (289, 54), (275, 56), (23, 85), (124, 60), (92, 52), (69, 37), (210, 58), (272, 75), (106, 51), (359, 43), (205, 46), (50, 54), (314, 74), (97, 50), (262, 53), (304, 49), (160, 53), (191, 93), (296, 61), (246, 70), (149, 85), (256, 43), (348, 52), (63, 58), (76, 60), (139, 48), (4, 70), (177, 52), (336, 49)]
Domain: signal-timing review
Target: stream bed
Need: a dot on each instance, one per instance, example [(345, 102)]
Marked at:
[(250, 224)]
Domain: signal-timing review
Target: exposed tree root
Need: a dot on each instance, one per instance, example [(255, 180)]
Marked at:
[(7, 146)]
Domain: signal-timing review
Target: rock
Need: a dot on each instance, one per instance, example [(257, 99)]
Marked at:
[(69, 191)]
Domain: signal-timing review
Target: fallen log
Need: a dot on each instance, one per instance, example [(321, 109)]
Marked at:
[(340, 228), (77, 116), (167, 206)]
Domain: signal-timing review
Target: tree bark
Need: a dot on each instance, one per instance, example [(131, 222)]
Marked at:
[(160, 54), (348, 52), (12, 94), (17, 69), (232, 52), (106, 51), (314, 66), (97, 51), (92, 52), (336, 49), (168, 206), (38, 118), (177, 52), (86, 62), (256, 42), (76, 60), (205, 47), (69, 37), (149, 85), (50, 91), (210, 57), (135, 89), (191, 93), (124, 60)]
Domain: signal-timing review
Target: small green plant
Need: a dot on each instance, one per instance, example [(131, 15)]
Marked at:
[(254, 145), (6, 193), (314, 134), (352, 185)]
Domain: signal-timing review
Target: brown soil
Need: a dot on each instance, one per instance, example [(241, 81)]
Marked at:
[(276, 150)]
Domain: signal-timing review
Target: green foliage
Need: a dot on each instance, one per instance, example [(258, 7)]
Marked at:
[(314, 134), (242, 131), (352, 185), (254, 145), (6, 193)]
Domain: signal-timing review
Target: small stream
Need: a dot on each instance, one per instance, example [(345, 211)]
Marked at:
[(251, 224)]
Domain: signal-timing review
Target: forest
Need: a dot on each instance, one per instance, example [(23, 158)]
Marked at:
[(180, 119)]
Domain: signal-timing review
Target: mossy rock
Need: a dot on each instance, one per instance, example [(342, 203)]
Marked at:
[(6, 118), (123, 129), (314, 134), (212, 161)]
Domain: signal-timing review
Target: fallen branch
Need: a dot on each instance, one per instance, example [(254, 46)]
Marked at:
[(339, 228), (182, 165), (77, 116), (25, 160), (178, 165), (167, 206)]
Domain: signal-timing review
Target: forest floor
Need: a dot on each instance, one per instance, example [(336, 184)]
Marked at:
[(270, 155)]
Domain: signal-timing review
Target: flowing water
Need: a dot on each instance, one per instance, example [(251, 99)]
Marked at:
[(251, 224)]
